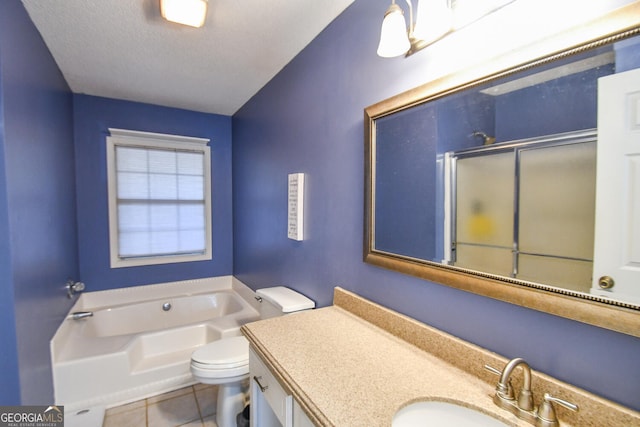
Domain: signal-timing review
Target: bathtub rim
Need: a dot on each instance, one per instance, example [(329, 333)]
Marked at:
[(150, 292)]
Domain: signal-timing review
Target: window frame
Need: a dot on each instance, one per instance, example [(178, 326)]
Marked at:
[(149, 140)]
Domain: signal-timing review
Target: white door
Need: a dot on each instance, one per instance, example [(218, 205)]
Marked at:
[(617, 233)]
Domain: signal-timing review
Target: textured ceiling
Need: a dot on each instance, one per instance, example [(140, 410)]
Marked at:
[(123, 48)]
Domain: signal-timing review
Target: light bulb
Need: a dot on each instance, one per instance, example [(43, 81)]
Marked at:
[(394, 40), (433, 20)]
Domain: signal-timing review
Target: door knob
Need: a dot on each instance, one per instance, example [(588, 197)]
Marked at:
[(606, 282)]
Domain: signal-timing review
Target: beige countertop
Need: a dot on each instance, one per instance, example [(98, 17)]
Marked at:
[(356, 363)]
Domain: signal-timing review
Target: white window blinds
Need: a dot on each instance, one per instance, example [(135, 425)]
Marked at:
[(160, 202)]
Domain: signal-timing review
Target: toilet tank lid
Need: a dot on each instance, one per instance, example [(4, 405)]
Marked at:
[(286, 299)]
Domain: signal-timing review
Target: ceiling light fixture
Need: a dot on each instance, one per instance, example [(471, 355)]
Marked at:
[(433, 21), (185, 12)]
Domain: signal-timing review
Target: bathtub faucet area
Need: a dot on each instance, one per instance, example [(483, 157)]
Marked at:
[(73, 288), (81, 315)]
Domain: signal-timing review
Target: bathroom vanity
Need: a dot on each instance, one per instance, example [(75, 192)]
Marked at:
[(271, 402), (357, 364)]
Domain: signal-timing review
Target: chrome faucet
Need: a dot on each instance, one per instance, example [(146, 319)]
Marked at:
[(523, 407), (73, 288), (77, 315)]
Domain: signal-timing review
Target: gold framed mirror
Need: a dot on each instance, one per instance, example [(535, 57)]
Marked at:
[(443, 264)]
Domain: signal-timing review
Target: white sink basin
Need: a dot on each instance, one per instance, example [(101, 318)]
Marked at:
[(442, 414)]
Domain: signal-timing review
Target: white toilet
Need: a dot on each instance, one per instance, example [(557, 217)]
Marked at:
[(225, 362)]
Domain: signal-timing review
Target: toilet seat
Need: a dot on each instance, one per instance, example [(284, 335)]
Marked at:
[(224, 353), (226, 358)]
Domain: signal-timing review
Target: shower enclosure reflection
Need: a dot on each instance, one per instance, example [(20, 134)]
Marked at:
[(526, 209)]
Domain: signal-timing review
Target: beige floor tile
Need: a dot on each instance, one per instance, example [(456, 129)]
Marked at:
[(170, 395), (210, 421), (195, 423), (125, 408), (133, 418), (173, 412), (207, 398)]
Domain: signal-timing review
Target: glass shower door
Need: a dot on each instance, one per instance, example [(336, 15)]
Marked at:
[(557, 215), (484, 213)]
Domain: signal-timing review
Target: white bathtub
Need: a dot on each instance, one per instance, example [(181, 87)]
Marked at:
[(131, 348)]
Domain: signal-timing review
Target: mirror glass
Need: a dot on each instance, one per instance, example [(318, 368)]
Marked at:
[(512, 177)]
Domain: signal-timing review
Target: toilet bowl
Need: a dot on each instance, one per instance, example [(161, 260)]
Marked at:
[(225, 362)]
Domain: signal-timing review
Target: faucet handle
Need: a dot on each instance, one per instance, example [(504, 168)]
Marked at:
[(546, 413), (505, 391), (492, 370)]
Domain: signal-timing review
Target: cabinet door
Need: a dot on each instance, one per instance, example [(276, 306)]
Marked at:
[(300, 419), (271, 406)]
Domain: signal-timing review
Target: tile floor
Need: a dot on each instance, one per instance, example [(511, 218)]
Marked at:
[(192, 406)]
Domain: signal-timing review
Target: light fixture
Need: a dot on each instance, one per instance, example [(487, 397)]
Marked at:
[(433, 21), (185, 12), (393, 35)]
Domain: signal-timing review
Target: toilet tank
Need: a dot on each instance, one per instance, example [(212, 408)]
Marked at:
[(280, 300)]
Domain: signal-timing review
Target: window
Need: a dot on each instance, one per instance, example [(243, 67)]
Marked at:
[(159, 198)]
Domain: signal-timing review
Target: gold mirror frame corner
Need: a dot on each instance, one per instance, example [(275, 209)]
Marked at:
[(619, 24)]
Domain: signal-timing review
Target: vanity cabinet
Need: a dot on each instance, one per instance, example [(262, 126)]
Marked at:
[(271, 404), (300, 419)]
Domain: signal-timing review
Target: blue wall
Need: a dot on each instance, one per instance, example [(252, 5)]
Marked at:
[(10, 390), (92, 118), (309, 119), (37, 206)]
